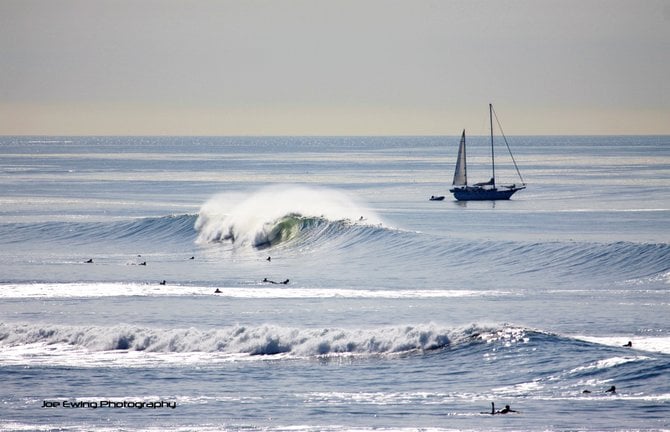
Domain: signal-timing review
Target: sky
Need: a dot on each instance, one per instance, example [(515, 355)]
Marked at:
[(333, 67)]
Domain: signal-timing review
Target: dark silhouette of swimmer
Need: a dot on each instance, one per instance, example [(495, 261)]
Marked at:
[(629, 344), (269, 259), (586, 391), (505, 410), (162, 283), (192, 258), (266, 280), (217, 291), (89, 261), (143, 263), (611, 390)]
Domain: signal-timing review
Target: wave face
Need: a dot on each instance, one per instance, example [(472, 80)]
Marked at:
[(343, 239), (279, 214), (351, 246), (174, 228)]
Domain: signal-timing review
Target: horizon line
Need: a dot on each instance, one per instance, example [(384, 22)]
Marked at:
[(324, 135)]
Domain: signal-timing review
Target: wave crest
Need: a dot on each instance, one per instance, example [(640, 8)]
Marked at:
[(276, 215)]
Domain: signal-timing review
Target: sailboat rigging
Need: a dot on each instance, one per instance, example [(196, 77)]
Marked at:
[(485, 191)]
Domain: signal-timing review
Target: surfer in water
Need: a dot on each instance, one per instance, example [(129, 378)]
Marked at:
[(505, 410), (609, 390), (266, 280)]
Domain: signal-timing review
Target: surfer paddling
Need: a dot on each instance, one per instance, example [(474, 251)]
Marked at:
[(266, 280), (505, 410), (611, 390)]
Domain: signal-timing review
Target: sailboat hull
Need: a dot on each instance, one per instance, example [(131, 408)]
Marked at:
[(474, 193)]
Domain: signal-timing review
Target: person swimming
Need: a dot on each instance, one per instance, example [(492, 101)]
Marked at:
[(266, 280), (629, 344), (611, 390), (217, 291), (505, 410)]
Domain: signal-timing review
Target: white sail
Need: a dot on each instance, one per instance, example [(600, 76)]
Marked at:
[(461, 174)]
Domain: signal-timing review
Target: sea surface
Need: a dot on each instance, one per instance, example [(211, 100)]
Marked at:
[(399, 313)]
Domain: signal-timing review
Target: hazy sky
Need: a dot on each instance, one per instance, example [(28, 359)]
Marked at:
[(333, 67)]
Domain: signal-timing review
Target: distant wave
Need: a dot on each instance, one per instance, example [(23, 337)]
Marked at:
[(621, 262), (304, 218), (622, 259), (279, 214), (165, 228), (323, 221)]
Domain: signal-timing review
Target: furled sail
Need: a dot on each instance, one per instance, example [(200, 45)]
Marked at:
[(461, 174)]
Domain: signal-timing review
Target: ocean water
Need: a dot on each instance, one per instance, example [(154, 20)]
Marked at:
[(399, 313)]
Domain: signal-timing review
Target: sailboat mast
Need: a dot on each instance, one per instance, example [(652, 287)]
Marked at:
[(493, 162)]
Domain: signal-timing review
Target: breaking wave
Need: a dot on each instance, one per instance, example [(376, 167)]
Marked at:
[(279, 214), (295, 342), (253, 340), (329, 222)]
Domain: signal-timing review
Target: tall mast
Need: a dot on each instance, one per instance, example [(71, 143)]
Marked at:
[(493, 162)]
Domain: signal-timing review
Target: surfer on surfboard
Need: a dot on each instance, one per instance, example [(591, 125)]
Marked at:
[(505, 410)]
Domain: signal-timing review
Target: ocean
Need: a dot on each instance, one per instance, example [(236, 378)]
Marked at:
[(141, 285)]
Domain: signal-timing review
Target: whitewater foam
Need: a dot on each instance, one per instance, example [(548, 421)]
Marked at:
[(659, 344), (259, 291), (125, 345), (259, 219)]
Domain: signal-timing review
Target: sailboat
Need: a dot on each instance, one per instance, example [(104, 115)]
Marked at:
[(485, 191)]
